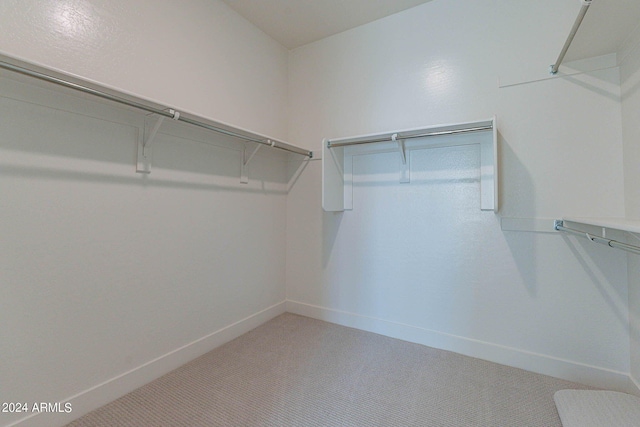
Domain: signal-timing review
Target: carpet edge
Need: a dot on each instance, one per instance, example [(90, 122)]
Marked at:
[(111, 389), (539, 363)]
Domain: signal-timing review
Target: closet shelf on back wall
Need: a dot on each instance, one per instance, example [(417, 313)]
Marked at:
[(337, 158)]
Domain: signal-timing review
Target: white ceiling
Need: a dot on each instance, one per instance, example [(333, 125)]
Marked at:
[(294, 23)]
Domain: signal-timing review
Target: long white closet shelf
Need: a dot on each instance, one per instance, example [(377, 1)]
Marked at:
[(103, 91), (632, 225), (337, 158)]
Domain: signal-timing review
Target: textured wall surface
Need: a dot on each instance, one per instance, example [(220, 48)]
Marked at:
[(420, 260), (108, 274), (630, 75), (198, 56)]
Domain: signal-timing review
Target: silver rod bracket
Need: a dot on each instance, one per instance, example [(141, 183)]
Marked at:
[(175, 114), (558, 223), (401, 148), (244, 166)]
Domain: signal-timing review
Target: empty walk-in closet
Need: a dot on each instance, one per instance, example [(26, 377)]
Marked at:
[(284, 212)]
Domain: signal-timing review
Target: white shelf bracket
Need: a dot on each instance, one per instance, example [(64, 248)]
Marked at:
[(145, 143), (401, 149), (244, 165), (404, 166)]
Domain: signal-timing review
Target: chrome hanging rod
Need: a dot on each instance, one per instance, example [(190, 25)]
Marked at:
[(161, 112), (559, 226), (553, 69), (331, 144)]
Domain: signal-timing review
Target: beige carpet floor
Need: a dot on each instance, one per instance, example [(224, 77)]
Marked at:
[(297, 371)]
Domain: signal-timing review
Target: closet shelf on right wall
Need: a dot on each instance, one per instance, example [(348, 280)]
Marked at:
[(596, 38), (624, 224), (337, 158)]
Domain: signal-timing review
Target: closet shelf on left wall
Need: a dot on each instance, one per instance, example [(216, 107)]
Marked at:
[(81, 85)]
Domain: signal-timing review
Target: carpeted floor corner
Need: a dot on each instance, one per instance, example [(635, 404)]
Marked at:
[(297, 371)]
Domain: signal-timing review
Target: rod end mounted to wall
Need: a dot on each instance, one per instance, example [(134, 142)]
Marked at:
[(553, 70)]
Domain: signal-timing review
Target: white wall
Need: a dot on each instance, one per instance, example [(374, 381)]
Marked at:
[(420, 261), (104, 271), (630, 75), (112, 278), (198, 56)]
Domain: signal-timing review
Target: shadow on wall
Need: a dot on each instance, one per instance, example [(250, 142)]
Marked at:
[(330, 227), (596, 267), (631, 87), (603, 79), (408, 251), (600, 263), (634, 313), (49, 134), (630, 71), (518, 191), (51, 174)]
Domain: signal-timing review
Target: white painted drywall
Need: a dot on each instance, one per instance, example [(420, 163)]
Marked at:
[(198, 56), (419, 260), (630, 76), (205, 252), (111, 278)]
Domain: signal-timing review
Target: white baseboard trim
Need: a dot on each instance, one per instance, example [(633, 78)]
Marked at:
[(539, 363), (101, 394)]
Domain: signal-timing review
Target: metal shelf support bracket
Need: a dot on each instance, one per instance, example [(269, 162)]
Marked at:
[(404, 166), (145, 143), (244, 166)]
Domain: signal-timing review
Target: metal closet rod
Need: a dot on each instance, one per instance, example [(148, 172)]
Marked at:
[(162, 112), (559, 225), (399, 137), (583, 11)]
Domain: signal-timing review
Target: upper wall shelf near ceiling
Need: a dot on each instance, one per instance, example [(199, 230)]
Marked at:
[(595, 36), (605, 27), (337, 158), (160, 113)]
